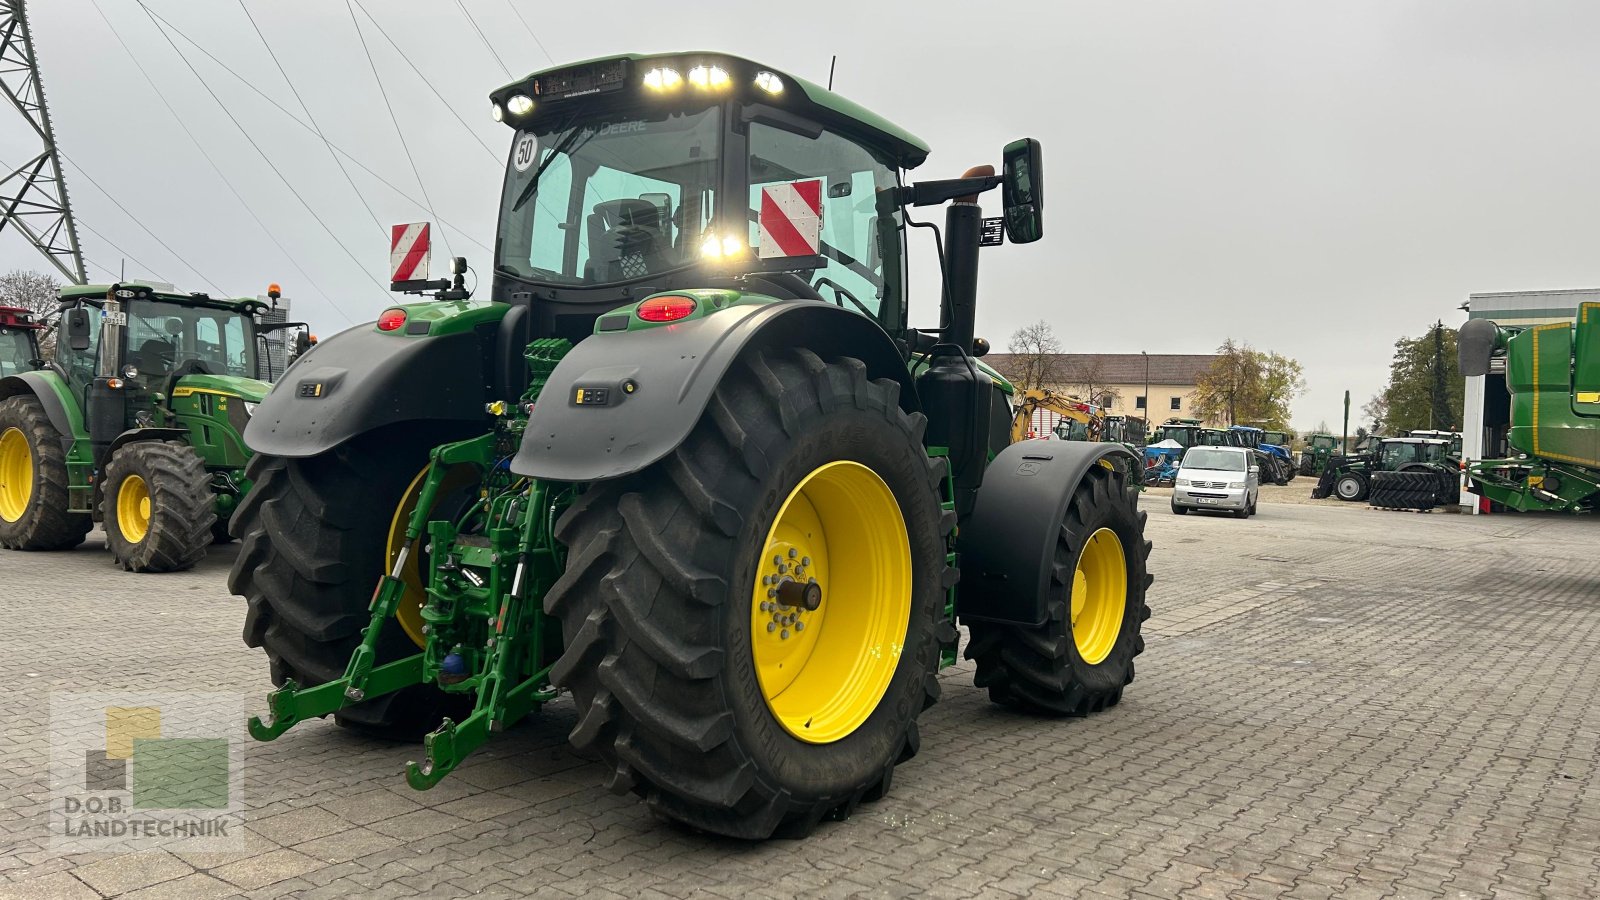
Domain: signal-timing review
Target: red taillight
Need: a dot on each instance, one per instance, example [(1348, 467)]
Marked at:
[(670, 308), (391, 320)]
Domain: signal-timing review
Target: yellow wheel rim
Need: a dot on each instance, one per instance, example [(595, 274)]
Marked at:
[(823, 671), (1099, 596), (16, 474), (133, 509), (409, 610)]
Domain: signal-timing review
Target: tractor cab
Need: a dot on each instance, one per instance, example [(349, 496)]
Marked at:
[(1396, 453), (1186, 432), (19, 341), (1452, 437)]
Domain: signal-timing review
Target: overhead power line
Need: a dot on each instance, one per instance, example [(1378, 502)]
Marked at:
[(214, 167), (499, 158), (86, 227), (313, 119), (262, 153), (526, 27), (250, 84), (488, 46), (395, 121)]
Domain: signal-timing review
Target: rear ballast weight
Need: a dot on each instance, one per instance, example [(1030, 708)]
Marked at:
[(709, 487)]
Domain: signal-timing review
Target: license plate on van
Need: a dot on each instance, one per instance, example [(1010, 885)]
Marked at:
[(1206, 499)]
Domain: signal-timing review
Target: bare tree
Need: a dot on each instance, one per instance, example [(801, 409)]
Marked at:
[(36, 292), (1037, 355), (1085, 378)]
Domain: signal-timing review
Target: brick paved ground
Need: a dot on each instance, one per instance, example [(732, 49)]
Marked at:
[(1335, 702)]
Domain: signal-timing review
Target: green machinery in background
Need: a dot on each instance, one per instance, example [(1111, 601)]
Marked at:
[(1319, 446), (1553, 376), (692, 463), (136, 423), (19, 341), (1350, 476)]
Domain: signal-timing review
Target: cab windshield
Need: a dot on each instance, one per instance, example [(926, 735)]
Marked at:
[(1215, 460), (1397, 455), (163, 336), (611, 199), (15, 351)]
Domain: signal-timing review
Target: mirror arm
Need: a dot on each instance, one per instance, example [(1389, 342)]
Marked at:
[(933, 193)]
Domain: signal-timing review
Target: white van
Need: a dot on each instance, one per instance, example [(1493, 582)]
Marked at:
[(1217, 478)]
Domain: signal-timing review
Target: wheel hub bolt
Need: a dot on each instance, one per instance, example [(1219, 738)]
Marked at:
[(772, 626), (793, 553)]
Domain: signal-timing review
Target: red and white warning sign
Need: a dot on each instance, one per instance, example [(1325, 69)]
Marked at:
[(791, 219), (408, 252)]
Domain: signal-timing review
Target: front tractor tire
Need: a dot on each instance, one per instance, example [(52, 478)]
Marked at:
[(1078, 661), (33, 482), (157, 507), (710, 674), (315, 539)]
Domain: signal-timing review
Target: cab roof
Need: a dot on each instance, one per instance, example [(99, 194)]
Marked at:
[(96, 293), (910, 149)]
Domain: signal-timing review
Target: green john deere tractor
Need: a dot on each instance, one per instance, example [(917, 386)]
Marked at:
[(136, 423), (1553, 375), (19, 341), (1314, 454), (1429, 473), (692, 464)]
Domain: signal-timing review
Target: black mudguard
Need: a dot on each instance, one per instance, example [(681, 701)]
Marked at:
[(37, 385), (1008, 544), (363, 379), (643, 391)]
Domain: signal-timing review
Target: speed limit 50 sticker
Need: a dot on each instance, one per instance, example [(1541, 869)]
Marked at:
[(527, 150)]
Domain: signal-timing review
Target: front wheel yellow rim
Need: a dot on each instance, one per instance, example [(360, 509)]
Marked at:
[(16, 474), (839, 544), (133, 509), (1099, 596)]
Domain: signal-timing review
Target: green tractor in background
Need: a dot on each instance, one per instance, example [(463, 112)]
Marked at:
[(1318, 447), (19, 341), (135, 423), (1553, 374), (1352, 477), (693, 464)]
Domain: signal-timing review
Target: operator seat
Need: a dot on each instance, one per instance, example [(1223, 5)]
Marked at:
[(154, 357), (625, 240)]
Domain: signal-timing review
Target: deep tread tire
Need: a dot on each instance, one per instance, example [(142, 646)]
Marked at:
[(654, 603), (45, 524), (312, 538), (1039, 669), (182, 508)]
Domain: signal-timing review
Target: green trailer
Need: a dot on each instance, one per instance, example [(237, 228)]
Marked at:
[(692, 464), (136, 423), (1553, 375)]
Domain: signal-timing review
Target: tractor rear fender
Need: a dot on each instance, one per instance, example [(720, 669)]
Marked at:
[(643, 391), (363, 379), (1008, 544), (56, 398)]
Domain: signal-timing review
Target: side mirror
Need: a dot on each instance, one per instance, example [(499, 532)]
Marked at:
[(302, 342), (1023, 190), (80, 332)]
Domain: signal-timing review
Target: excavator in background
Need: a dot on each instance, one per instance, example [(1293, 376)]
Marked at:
[(1088, 416)]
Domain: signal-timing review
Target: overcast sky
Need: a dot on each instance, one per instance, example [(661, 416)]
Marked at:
[(1315, 179)]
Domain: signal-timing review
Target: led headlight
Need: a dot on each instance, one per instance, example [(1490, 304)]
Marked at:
[(709, 77), (130, 372), (519, 104), (769, 82), (663, 78), (497, 112)]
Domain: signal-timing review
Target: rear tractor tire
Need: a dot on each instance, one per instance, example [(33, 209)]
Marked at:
[(33, 482), (752, 624), (1078, 661), (316, 536), (157, 507)]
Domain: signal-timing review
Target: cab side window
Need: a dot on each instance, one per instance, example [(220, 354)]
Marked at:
[(860, 241)]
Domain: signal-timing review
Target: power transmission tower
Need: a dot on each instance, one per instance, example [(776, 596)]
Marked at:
[(33, 198)]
